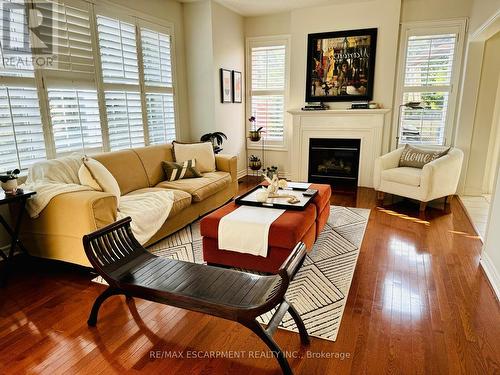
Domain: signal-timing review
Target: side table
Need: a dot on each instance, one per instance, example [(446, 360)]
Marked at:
[(20, 200)]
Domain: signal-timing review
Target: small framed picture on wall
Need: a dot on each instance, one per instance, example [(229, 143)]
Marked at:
[(237, 87), (225, 86)]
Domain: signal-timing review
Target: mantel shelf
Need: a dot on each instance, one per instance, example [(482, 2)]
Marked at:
[(299, 112)]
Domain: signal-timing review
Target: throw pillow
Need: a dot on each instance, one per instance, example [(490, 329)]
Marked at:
[(177, 171), (103, 177), (416, 157), (203, 152), (86, 178)]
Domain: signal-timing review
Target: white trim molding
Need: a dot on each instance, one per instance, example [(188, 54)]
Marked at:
[(491, 273)]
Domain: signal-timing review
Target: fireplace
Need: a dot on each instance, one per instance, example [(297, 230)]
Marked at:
[(334, 162)]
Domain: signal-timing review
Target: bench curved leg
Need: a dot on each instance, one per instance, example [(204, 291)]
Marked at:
[(92, 321), (304, 336), (264, 336)]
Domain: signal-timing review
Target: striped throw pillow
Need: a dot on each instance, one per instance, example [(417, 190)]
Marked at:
[(177, 171)]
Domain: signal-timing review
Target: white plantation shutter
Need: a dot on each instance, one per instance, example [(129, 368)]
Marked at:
[(75, 120), (70, 31), (268, 72), (118, 48), (268, 68), (124, 119), (156, 58), (13, 37), (269, 112), (161, 118), (428, 76), (21, 134)]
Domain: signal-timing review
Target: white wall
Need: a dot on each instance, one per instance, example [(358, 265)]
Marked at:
[(474, 182), (490, 258), (199, 67), (214, 40), (382, 14), (229, 53), (429, 10), (482, 11)]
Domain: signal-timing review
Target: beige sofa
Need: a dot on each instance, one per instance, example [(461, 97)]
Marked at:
[(57, 232)]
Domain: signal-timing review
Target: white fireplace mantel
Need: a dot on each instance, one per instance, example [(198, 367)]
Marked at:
[(364, 124)]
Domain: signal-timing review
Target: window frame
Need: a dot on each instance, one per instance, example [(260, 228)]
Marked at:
[(421, 28), (264, 41)]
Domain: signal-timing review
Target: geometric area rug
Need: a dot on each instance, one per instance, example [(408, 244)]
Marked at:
[(320, 288)]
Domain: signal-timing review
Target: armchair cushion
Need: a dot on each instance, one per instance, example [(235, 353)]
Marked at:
[(403, 175), (415, 157)]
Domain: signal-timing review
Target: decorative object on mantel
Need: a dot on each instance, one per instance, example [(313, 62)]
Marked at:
[(225, 86), (341, 65), (409, 131), (254, 163), (315, 107), (216, 138), (373, 105), (360, 105), (237, 86), (9, 181)]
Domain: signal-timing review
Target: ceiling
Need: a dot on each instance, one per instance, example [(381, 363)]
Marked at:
[(260, 7)]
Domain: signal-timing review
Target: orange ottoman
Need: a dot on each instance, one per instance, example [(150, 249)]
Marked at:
[(289, 229)]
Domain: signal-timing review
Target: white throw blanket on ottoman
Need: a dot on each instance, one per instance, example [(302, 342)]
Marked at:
[(50, 178), (246, 229)]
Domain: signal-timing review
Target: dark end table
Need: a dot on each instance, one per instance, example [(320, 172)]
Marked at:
[(18, 199)]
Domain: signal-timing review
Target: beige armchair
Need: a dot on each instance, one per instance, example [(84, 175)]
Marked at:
[(436, 179)]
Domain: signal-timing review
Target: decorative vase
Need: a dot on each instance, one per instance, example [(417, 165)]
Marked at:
[(254, 135), (255, 165), (10, 186)]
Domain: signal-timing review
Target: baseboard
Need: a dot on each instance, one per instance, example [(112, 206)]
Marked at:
[(242, 173), (491, 273)]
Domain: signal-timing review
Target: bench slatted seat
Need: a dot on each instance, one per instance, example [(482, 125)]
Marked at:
[(131, 270)]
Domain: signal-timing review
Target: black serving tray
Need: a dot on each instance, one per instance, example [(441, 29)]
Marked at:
[(248, 199)]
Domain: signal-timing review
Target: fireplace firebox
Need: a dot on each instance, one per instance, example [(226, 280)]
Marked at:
[(334, 162)]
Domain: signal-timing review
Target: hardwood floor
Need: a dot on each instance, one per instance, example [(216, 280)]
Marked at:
[(419, 303)]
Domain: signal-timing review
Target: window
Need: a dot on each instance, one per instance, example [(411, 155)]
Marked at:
[(124, 119), (75, 120), (158, 86), (117, 44), (21, 134), (429, 76), (125, 83), (267, 83)]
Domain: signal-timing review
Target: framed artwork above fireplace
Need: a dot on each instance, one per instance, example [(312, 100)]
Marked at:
[(341, 66)]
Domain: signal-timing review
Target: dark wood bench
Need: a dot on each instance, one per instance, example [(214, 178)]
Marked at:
[(131, 270)]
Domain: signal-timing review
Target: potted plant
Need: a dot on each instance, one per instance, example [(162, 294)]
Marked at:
[(254, 134), (9, 180), (254, 163), (216, 138)]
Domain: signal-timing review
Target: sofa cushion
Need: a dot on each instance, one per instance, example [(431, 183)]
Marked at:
[(151, 158), (102, 177), (203, 152), (403, 175), (182, 200), (126, 167), (202, 187), (178, 171)]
